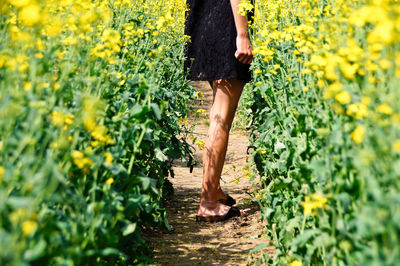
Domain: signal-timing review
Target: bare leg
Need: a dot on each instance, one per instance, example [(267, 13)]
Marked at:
[(226, 98)]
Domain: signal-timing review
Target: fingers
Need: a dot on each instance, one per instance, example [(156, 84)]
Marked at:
[(249, 59), (244, 57), (244, 52)]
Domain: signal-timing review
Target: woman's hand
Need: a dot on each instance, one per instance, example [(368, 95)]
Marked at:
[(244, 52)]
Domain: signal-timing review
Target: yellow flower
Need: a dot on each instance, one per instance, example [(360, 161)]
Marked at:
[(366, 100), (332, 90), (383, 32), (55, 27), (60, 118), (200, 143), (306, 71), (308, 206), (385, 64), (384, 109), (318, 61), (39, 55), (27, 86), (349, 70), (110, 181), (30, 15), (57, 118), (306, 89), (296, 263), (312, 202), (1, 174), (246, 173), (80, 160), (357, 110), (320, 83), (29, 227), (331, 63), (100, 134), (202, 112), (109, 157), (68, 119), (56, 86), (396, 146), (244, 7), (19, 3), (94, 143), (343, 97), (319, 201), (77, 155), (358, 134)]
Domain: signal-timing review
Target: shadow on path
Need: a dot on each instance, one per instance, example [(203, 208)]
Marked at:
[(221, 243), (193, 243)]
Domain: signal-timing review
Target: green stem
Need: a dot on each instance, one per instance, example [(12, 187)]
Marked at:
[(304, 224)]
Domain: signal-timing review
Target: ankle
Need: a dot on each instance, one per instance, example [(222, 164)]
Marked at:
[(221, 193), (208, 204)]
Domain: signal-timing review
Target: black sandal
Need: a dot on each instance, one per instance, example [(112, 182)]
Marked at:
[(233, 212), (229, 201)]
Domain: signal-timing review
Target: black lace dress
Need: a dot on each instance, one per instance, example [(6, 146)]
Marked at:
[(210, 54)]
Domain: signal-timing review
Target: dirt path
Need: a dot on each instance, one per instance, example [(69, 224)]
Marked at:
[(222, 243)]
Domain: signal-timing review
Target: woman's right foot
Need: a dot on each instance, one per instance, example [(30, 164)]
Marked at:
[(229, 201), (225, 198)]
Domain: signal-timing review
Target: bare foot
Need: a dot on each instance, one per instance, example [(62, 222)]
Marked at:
[(214, 209)]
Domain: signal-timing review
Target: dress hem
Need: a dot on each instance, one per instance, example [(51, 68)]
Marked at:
[(220, 77)]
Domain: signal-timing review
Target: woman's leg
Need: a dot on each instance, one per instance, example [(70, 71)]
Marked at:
[(226, 98)]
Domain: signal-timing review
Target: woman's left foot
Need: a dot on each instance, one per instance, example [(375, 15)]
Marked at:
[(233, 212)]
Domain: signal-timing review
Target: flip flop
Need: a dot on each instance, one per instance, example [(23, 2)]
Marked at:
[(233, 212), (229, 201)]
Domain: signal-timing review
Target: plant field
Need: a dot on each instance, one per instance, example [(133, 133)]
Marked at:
[(326, 130), (92, 99), (93, 105)]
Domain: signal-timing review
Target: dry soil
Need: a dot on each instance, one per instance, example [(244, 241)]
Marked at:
[(221, 243)]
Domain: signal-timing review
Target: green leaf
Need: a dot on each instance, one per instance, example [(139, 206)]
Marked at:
[(19, 202), (129, 229), (259, 247), (301, 239), (139, 111), (36, 251), (110, 251), (293, 223), (160, 155), (145, 182), (156, 110), (324, 240)]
